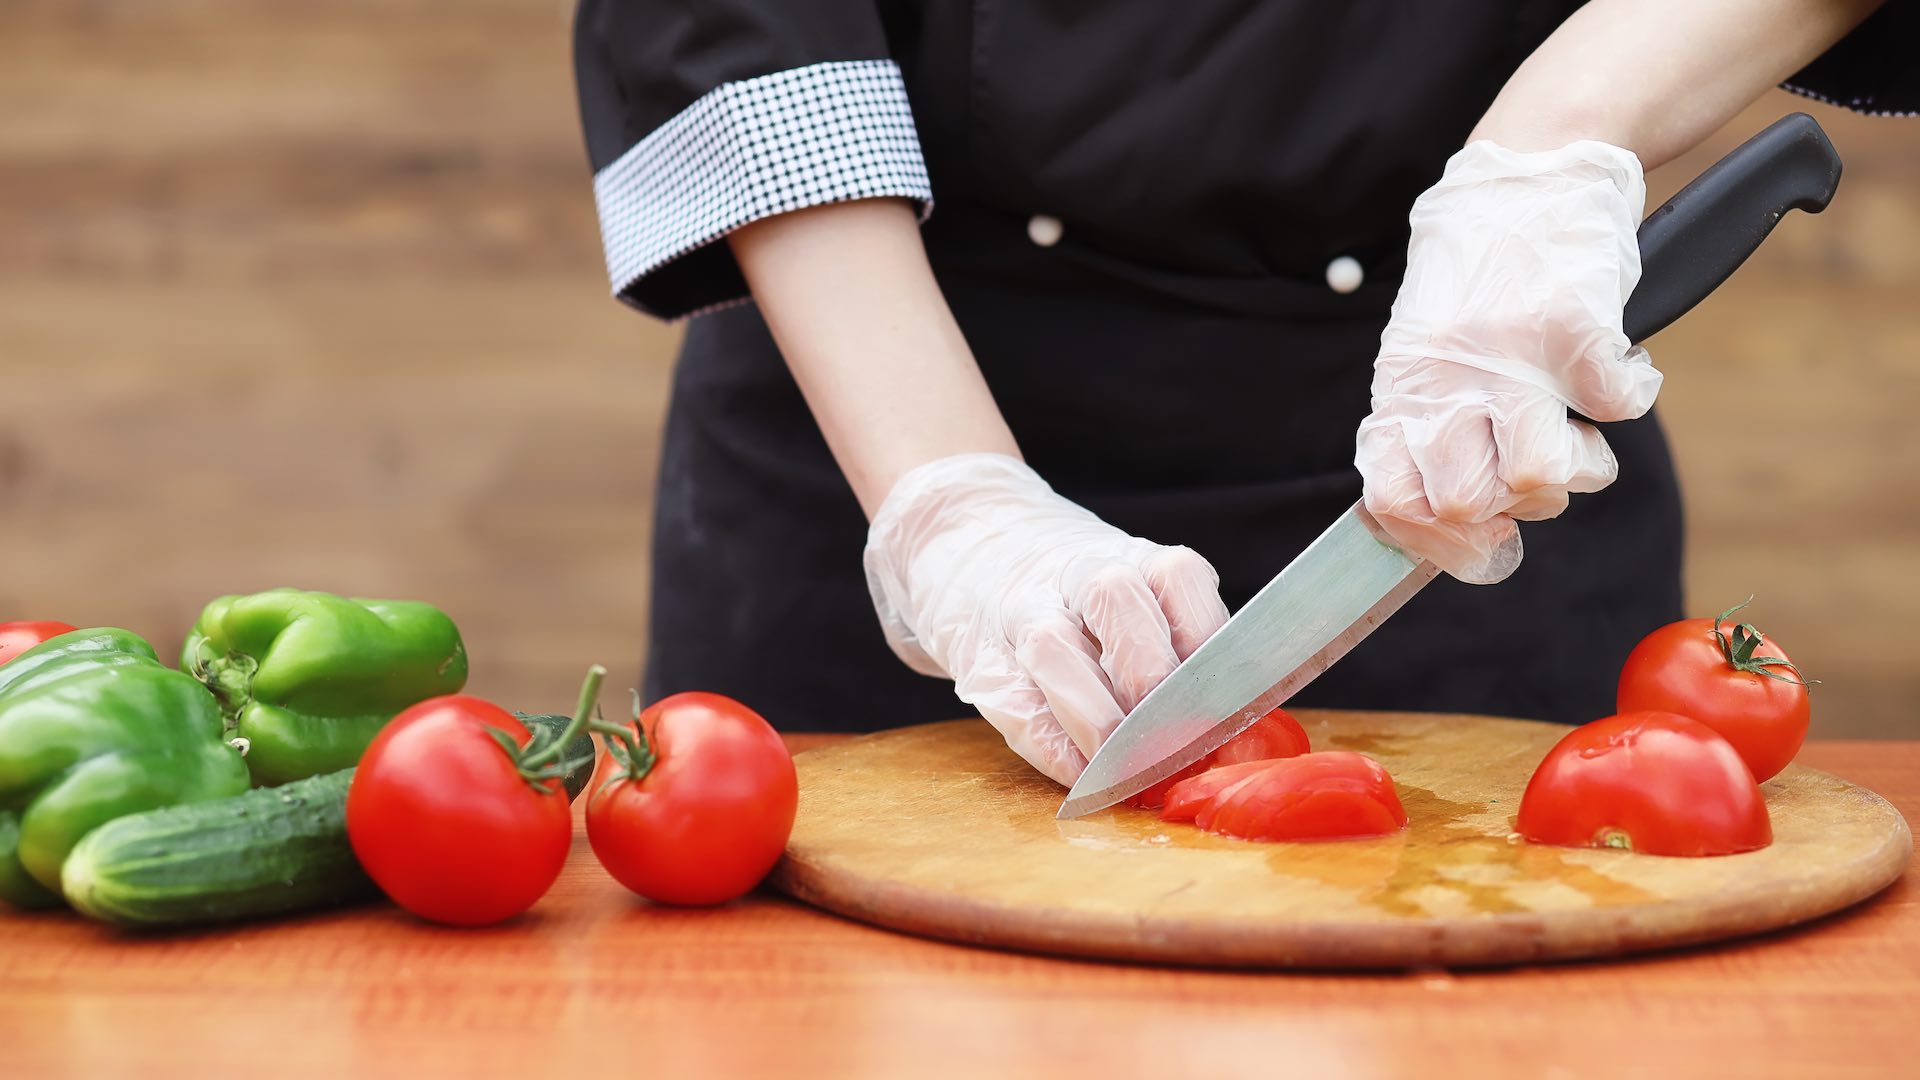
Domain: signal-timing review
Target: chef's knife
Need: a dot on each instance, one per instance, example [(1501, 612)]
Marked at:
[(1353, 577)]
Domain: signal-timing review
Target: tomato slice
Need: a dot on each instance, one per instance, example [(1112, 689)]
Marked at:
[(1652, 782), (1275, 735), (1192, 794), (1333, 795)]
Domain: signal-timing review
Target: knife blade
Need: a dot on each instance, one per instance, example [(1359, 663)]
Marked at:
[(1325, 602), (1353, 577)]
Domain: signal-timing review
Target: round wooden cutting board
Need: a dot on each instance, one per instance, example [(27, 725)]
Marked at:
[(941, 830)]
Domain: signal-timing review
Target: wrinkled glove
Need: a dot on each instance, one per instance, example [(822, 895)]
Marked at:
[(1510, 315), (1051, 622)]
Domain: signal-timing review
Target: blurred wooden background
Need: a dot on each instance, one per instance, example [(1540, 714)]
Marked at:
[(311, 294)]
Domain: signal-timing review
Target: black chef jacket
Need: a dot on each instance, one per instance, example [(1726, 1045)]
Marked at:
[(1146, 218)]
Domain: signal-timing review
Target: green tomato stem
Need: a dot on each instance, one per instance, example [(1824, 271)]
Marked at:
[(582, 716), (1738, 648), (630, 747)]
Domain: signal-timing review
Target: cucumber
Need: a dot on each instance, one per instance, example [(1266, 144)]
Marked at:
[(269, 851), (265, 852)]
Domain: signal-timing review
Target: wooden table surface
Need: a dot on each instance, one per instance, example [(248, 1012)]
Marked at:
[(593, 982)]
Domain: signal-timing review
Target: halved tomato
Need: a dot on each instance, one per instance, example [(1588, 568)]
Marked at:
[(1651, 782)]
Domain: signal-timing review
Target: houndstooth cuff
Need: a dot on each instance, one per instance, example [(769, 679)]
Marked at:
[(751, 149)]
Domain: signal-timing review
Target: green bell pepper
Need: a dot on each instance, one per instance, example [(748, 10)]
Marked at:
[(94, 727), (308, 678)]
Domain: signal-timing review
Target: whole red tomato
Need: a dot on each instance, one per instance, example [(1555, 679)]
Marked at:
[(694, 804), (18, 637), (1275, 735), (453, 819), (1733, 679), (1651, 782), (1332, 795)]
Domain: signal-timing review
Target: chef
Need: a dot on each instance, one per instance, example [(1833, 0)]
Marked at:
[(1081, 320)]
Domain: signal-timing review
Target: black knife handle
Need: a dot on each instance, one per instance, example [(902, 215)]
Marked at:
[(1698, 238)]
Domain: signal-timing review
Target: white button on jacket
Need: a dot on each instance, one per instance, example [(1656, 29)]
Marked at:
[(1044, 230), (1344, 274)]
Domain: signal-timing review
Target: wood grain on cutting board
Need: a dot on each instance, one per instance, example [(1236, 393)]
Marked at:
[(940, 830)]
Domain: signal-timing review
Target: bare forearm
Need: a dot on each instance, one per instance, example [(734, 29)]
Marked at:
[(853, 305), (1657, 76)]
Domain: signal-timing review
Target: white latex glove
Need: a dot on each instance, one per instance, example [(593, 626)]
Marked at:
[(1051, 622), (1510, 315)]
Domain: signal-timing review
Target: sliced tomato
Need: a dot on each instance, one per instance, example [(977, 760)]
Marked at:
[(1275, 735), (1651, 782), (1332, 795), (1188, 797)]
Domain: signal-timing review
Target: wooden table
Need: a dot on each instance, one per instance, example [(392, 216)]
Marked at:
[(596, 983)]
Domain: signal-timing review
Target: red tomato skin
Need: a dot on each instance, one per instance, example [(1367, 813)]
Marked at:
[(712, 815), (1275, 735), (1679, 668), (18, 637), (441, 819), (1333, 795), (1668, 784)]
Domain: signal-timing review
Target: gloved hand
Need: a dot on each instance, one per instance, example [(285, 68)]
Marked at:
[(1510, 314), (1051, 622)]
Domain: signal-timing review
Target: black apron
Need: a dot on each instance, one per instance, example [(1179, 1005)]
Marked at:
[(1232, 434), (1176, 362)]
